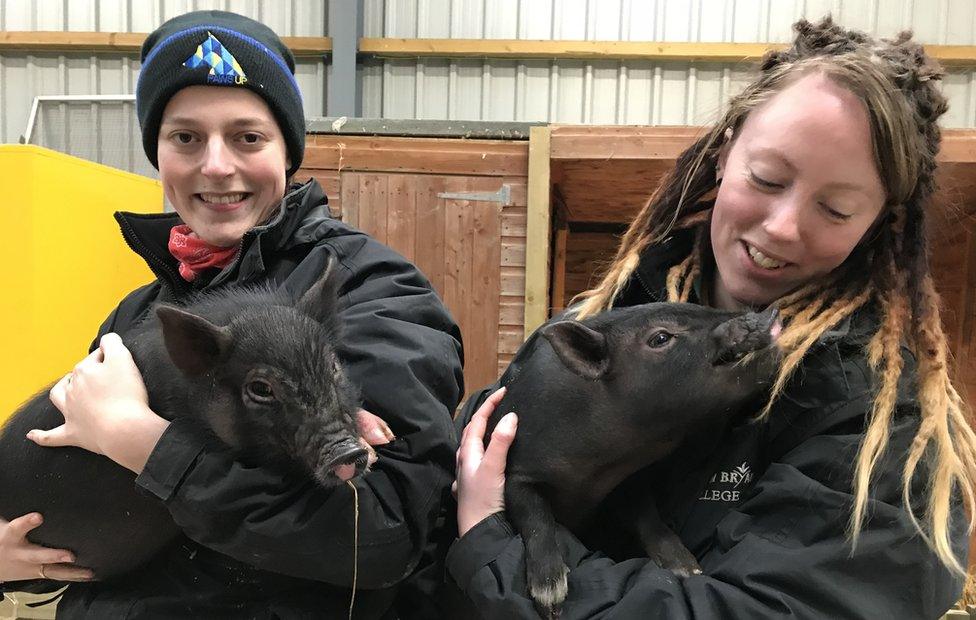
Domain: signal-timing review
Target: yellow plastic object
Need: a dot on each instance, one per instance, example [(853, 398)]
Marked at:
[(63, 262)]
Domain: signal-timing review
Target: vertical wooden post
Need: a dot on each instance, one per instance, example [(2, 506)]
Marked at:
[(538, 232), (560, 226)]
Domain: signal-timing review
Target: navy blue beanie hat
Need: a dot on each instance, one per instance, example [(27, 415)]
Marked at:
[(219, 49)]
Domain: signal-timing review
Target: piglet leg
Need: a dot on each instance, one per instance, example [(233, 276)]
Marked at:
[(544, 566), (662, 545)]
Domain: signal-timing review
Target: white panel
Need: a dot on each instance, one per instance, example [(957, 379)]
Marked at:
[(24, 76), (49, 15), (569, 19), (961, 14), (432, 84), (467, 19), (535, 19), (434, 19), (501, 20), (499, 92), (18, 15), (957, 87), (401, 19), (373, 17), (466, 100)]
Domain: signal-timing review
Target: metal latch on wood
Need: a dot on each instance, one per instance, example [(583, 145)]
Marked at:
[(503, 196)]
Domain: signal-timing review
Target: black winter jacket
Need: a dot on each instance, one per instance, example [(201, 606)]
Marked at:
[(765, 515), (261, 544)]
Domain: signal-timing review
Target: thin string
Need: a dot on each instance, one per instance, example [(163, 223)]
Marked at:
[(355, 543)]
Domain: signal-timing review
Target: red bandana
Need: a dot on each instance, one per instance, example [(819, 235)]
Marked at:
[(195, 254)]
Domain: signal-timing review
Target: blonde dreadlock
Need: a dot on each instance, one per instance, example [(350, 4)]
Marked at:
[(895, 81)]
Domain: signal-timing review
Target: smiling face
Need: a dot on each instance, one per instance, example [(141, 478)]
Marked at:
[(799, 191), (222, 161)]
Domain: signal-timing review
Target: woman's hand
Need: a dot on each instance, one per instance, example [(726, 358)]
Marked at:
[(480, 482), (105, 408), (373, 431), (21, 560)]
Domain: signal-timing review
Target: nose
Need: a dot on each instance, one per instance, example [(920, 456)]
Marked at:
[(784, 219), (218, 161)]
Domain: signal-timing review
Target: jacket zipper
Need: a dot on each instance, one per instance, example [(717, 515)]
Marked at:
[(161, 270)]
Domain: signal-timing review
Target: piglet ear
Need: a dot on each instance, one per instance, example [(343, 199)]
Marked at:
[(582, 350), (195, 344), (319, 301)]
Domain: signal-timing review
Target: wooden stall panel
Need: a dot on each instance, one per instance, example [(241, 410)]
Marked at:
[(453, 228)]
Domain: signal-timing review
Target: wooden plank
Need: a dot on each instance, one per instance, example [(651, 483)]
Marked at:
[(423, 155), (511, 311), (349, 189), (616, 142), (130, 42), (558, 295), (509, 340), (519, 190), (373, 205), (457, 266), (513, 282), (124, 42), (958, 145), (537, 232), (513, 223), (331, 184), (402, 215), (949, 55), (582, 50), (513, 254), (431, 213), (481, 348)]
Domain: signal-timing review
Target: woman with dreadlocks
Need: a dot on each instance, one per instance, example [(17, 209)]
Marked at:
[(809, 194)]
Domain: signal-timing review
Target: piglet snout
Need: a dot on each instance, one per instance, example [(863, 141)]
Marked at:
[(346, 461), (745, 334)]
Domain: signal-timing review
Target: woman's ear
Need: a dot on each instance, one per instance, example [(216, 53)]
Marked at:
[(723, 154)]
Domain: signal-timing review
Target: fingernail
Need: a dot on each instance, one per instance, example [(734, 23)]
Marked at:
[(510, 419), (35, 519), (67, 559), (377, 436)]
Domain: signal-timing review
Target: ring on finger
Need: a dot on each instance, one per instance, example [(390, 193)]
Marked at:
[(43, 576)]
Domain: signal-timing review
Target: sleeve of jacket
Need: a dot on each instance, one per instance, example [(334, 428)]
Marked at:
[(782, 553), (402, 349)]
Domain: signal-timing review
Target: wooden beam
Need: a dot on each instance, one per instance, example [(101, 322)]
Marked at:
[(128, 42), (123, 42), (416, 155), (537, 231), (949, 55), (580, 50)]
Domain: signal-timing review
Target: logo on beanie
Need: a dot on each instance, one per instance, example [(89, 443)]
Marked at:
[(224, 68)]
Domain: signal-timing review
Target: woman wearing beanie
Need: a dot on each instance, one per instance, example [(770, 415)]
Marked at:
[(842, 494), (222, 120)]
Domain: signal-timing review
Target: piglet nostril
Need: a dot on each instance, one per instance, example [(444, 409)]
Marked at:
[(349, 464)]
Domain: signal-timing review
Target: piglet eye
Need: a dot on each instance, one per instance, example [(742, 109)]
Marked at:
[(259, 391), (659, 339)]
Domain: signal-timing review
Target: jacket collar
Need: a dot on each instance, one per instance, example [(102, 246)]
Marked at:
[(148, 236)]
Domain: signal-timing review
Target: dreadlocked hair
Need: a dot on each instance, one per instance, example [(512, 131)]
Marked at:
[(888, 271)]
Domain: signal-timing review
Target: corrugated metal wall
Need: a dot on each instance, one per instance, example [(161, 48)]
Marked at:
[(86, 129), (623, 92)]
